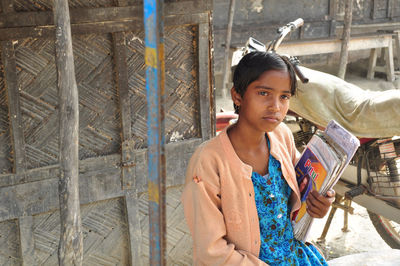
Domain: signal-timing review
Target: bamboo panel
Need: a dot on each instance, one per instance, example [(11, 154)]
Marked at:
[(179, 241), (47, 5), (9, 243), (181, 65), (98, 100), (100, 122), (104, 231)]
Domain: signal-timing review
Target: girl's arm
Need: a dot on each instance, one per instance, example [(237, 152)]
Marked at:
[(202, 207)]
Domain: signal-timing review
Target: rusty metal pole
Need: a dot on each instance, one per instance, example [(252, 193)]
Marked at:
[(344, 52), (227, 65), (70, 251), (155, 90)]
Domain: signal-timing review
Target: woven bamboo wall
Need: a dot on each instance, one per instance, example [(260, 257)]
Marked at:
[(104, 230), (114, 200), (182, 120)]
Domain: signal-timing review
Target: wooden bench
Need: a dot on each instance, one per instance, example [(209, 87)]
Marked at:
[(374, 42)]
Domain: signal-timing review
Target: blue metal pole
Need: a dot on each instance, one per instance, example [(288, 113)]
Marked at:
[(155, 90)]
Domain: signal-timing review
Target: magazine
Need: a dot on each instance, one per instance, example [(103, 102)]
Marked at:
[(320, 167)]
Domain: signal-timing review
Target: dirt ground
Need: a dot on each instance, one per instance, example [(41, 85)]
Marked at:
[(361, 236)]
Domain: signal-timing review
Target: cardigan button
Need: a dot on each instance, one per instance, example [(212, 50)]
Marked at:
[(250, 194)]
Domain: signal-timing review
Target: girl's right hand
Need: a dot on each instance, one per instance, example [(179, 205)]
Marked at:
[(318, 205)]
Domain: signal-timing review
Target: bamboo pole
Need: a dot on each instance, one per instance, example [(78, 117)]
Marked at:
[(70, 250), (348, 16), (155, 92)]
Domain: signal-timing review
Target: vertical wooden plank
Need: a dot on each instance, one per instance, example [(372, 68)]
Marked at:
[(131, 203), (374, 9), (125, 108), (397, 45), (227, 62), (14, 106), (135, 233), (128, 159), (333, 4), (122, 83), (205, 92), (301, 33), (372, 63), (27, 241), (389, 61), (70, 251), (390, 9), (332, 14), (18, 140), (344, 51), (155, 92), (7, 6), (127, 148)]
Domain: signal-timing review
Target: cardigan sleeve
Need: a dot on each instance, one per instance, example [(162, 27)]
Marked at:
[(202, 208)]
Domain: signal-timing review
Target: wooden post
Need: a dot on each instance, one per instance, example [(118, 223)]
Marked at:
[(345, 38), (70, 250), (227, 64), (206, 124), (397, 42)]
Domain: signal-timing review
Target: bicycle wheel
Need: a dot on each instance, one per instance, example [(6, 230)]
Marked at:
[(388, 230)]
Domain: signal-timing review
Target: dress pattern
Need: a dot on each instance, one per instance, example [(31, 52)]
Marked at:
[(278, 245)]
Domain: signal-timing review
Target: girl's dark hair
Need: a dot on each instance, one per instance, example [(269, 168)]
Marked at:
[(252, 65)]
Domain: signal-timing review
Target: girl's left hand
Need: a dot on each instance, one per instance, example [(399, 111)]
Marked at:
[(318, 205)]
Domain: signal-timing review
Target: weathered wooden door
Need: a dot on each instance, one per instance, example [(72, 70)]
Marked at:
[(108, 46)]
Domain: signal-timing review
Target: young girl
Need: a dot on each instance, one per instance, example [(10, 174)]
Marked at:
[(241, 190)]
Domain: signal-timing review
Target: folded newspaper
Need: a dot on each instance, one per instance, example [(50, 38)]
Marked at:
[(320, 167)]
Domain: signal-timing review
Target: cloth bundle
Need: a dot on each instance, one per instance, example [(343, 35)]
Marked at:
[(370, 114)]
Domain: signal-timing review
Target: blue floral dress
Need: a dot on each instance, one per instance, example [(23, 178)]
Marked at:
[(278, 245)]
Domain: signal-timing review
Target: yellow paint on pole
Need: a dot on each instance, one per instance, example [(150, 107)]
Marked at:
[(154, 193), (150, 57)]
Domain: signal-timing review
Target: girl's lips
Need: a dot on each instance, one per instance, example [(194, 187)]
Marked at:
[(271, 118)]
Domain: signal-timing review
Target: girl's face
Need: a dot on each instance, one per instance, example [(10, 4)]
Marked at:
[(266, 100)]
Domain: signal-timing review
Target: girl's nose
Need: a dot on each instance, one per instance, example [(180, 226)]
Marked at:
[(274, 105)]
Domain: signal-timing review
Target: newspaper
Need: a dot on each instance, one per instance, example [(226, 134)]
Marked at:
[(320, 167)]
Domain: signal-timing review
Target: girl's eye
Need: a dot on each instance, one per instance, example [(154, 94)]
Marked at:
[(262, 93), (285, 97)]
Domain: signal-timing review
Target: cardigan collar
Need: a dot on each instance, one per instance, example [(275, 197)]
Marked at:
[(246, 170), (234, 159)]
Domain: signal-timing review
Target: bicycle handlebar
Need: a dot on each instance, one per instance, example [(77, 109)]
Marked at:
[(285, 30), (295, 24)]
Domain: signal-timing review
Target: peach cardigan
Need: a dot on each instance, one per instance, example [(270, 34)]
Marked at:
[(219, 204)]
